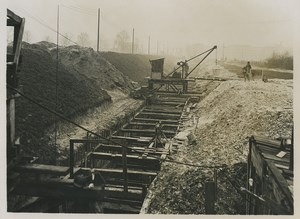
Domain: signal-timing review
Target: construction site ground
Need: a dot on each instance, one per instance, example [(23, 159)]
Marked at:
[(219, 127), (96, 120)]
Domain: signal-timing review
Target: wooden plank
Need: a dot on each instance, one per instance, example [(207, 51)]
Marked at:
[(149, 162), (176, 112), (151, 124), (152, 131), (13, 16), (280, 181), (157, 115), (68, 191), (137, 150), (11, 23), (118, 172), (163, 121), (257, 161), (43, 169), (277, 159), (280, 166), (267, 142)]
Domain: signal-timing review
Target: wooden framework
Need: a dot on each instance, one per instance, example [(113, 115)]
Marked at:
[(172, 85), (128, 171), (272, 177)]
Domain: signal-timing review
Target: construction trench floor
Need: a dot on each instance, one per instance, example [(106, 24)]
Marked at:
[(211, 132)]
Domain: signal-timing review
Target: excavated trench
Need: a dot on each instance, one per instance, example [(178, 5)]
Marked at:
[(148, 136)]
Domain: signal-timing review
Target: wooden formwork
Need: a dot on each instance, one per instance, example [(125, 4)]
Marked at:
[(270, 177), (128, 159)]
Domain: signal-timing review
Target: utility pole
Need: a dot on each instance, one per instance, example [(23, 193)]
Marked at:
[(132, 40), (157, 47), (56, 75), (98, 35), (149, 45)]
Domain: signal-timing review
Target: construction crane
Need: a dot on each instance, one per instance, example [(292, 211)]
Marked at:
[(173, 81)]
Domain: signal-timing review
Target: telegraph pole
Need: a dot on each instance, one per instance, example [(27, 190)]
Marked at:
[(98, 35), (157, 47), (132, 40), (56, 75), (149, 45)]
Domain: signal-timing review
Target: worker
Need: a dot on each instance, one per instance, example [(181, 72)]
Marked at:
[(249, 71), (185, 68)]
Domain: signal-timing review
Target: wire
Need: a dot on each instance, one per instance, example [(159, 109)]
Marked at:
[(101, 137), (47, 26)]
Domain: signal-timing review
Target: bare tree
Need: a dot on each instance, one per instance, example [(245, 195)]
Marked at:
[(83, 39), (27, 36), (65, 41), (122, 41)]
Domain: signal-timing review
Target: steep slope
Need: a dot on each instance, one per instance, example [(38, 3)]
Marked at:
[(38, 78)]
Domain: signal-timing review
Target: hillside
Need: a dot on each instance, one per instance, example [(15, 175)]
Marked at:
[(136, 66)]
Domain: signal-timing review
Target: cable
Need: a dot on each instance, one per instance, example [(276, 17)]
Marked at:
[(101, 137), (50, 28)]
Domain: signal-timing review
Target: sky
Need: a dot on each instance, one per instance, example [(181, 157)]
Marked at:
[(169, 23)]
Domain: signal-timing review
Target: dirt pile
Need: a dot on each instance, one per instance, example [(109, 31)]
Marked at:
[(227, 116), (85, 63), (80, 83)]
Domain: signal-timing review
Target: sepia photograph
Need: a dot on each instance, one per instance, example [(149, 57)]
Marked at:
[(138, 107)]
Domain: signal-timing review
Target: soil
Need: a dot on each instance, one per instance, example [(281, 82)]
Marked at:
[(37, 80), (227, 117), (95, 120)]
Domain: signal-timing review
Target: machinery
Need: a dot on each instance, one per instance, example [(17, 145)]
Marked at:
[(176, 81)]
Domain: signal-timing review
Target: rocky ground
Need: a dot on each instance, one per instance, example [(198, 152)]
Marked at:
[(95, 120), (227, 116)]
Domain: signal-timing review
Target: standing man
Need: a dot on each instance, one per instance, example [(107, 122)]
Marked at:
[(249, 71)]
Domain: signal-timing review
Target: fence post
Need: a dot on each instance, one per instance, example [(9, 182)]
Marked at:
[(125, 176), (210, 195), (71, 159)]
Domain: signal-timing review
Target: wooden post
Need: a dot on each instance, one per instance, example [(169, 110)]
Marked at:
[(291, 167), (98, 32), (248, 201), (125, 176), (215, 181), (71, 159), (210, 195)]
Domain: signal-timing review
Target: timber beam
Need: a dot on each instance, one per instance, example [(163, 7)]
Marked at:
[(149, 162)]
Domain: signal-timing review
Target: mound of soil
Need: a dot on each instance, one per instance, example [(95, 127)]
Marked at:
[(38, 79), (228, 115), (84, 62)]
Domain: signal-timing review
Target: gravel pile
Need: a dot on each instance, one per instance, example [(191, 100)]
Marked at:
[(227, 116)]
